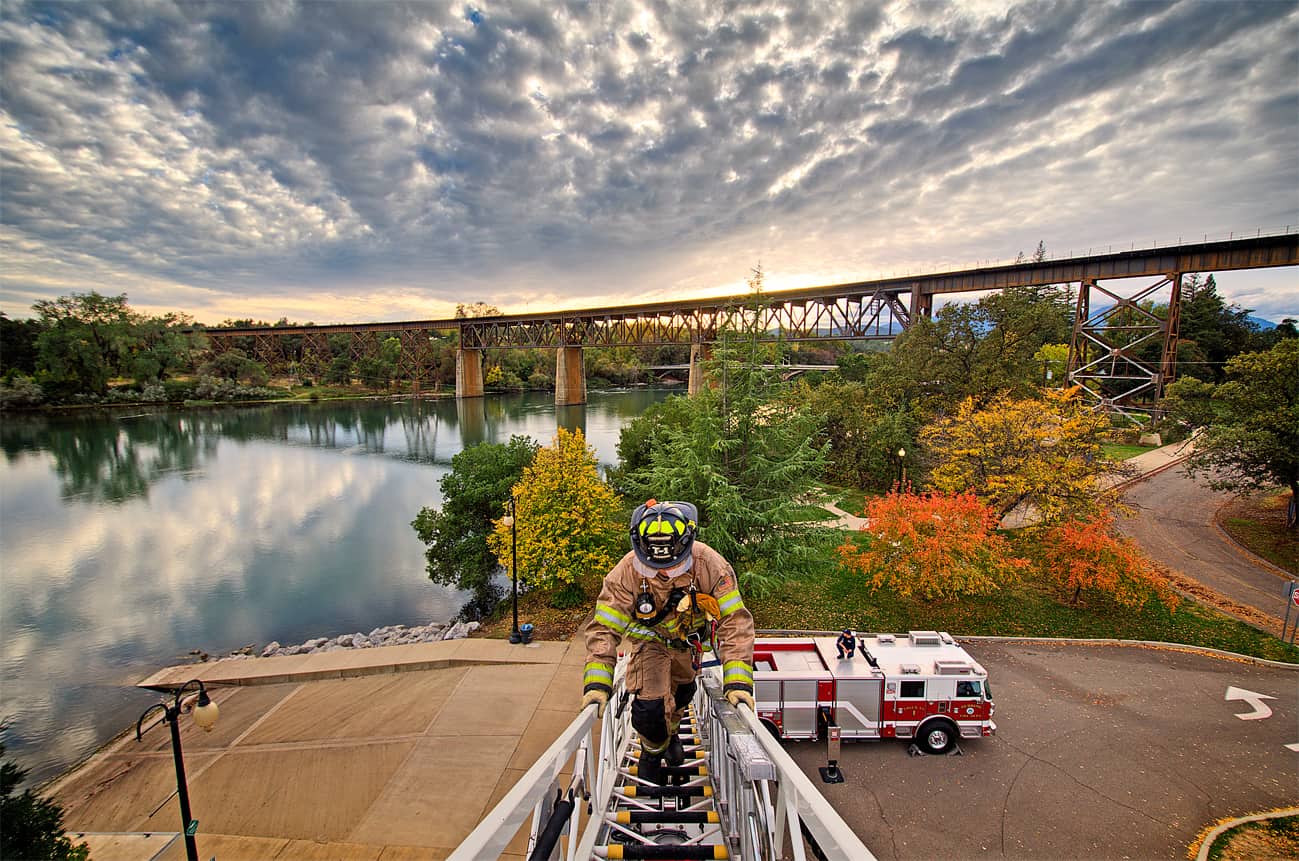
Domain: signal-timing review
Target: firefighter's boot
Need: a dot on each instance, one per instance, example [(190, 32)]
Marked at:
[(676, 752), (650, 765)]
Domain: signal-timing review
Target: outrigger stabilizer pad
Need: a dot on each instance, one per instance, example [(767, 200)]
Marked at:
[(914, 750), (831, 773)]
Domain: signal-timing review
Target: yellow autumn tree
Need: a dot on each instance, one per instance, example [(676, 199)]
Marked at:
[(568, 523), (1044, 452)]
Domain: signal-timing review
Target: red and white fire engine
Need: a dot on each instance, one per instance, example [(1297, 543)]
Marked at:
[(920, 686)]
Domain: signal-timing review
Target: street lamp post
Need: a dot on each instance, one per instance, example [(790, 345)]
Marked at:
[(902, 470), (205, 715), (515, 636)]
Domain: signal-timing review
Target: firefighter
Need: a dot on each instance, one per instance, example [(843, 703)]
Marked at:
[(662, 597), (845, 645)]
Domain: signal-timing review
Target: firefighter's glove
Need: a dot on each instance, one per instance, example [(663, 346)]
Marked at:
[(597, 696), (709, 605), (736, 696)]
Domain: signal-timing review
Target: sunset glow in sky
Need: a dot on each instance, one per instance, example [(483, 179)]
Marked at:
[(364, 161)]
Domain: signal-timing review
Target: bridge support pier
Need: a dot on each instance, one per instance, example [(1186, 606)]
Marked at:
[(469, 373), (699, 353), (570, 377), (922, 305)]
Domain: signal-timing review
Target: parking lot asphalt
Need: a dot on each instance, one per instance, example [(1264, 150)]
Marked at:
[(1101, 752)]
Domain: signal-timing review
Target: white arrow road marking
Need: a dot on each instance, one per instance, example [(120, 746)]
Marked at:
[(1294, 747), (1256, 700)]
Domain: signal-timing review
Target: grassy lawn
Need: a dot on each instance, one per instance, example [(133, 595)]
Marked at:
[(1123, 451), (842, 600), (1270, 838), (849, 499), (1258, 523), (839, 600)]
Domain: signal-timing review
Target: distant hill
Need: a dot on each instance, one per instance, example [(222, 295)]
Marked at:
[(1263, 325)]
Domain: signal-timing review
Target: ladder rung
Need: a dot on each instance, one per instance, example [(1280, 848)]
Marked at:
[(701, 791), (698, 753), (638, 850), (699, 769), (667, 817)]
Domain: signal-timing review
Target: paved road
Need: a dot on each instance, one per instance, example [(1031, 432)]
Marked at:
[(1101, 752), (1174, 525)]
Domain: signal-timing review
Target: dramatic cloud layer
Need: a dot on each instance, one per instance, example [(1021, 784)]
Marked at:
[(346, 161)]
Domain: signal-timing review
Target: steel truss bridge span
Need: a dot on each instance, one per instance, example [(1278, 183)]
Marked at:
[(862, 310)]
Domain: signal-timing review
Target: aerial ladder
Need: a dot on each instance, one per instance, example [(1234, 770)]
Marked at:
[(738, 796)]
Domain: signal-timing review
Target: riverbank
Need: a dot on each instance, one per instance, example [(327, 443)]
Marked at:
[(390, 635)]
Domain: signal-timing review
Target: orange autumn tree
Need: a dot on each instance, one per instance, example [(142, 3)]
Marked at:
[(1085, 558), (935, 545)]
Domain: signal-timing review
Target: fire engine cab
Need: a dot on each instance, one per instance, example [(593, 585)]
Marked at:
[(920, 686)]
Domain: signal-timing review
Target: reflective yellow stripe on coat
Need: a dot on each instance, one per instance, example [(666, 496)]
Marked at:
[(737, 672), (730, 603), (598, 673), (612, 618)]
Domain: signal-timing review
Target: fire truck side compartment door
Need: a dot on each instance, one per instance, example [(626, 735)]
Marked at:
[(800, 708), (858, 707)]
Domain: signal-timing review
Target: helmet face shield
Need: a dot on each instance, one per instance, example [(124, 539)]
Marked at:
[(662, 533)]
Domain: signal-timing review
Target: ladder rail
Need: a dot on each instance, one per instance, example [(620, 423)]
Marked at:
[(745, 766), (533, 793), (804, 803)]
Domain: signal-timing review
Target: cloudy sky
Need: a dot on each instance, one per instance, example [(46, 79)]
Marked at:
[(345, 161)]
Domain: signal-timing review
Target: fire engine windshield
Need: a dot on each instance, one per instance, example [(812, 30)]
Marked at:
[(987, 691)]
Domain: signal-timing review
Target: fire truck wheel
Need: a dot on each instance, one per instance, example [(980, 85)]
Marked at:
[(937, 737), (771, 728)]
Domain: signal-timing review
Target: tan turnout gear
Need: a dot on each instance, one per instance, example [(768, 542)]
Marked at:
[(660, 664)]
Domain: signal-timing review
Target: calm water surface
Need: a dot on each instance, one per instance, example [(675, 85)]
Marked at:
[(126, 540)]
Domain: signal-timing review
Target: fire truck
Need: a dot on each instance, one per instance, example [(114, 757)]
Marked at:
[(920, 686)]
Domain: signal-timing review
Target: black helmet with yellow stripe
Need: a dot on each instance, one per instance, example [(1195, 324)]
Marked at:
[(663, 532)]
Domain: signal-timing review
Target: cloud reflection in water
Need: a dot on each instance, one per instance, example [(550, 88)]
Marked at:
[(129, 540)]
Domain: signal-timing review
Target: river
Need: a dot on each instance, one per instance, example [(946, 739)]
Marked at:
[(128, 539)]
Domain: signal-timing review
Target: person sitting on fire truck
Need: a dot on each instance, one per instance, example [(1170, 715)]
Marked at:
[(845, 645), (663, 596)]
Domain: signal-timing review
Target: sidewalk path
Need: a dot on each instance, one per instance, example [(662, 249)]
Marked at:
[(844, 519)]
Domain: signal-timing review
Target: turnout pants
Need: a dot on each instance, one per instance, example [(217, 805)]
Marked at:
[(663, 680)]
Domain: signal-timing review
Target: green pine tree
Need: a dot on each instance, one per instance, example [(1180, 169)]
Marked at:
[(747, 458)]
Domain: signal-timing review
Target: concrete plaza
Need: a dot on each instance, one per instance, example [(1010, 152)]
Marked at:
[(376, 754)]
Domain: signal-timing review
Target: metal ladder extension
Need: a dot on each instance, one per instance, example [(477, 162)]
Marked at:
[(739, 795)]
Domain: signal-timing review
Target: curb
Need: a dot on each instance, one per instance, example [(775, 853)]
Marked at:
[(1158, 644), (1249, 555), (1207, 843), (1074, 641)]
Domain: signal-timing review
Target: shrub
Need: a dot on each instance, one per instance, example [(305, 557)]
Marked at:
[(20, 390), (1085, 558), (473, 494), (568, 522), (213, 389), (31, 827), (936, 545)]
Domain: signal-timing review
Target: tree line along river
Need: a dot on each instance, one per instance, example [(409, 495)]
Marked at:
[(129, 538)]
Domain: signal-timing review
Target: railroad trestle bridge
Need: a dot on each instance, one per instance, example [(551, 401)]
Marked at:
[(1113, 325)]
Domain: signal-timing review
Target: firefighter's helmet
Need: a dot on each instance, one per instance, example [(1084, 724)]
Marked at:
[(662, 533)]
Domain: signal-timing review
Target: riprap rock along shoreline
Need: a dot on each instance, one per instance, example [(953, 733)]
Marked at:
[(390, 635)]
